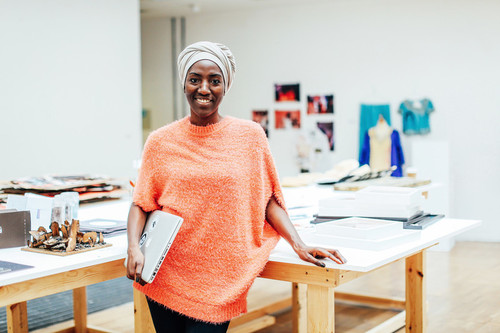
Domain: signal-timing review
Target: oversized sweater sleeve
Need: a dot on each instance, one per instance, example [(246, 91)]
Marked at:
[(146, 191), (271, 182)]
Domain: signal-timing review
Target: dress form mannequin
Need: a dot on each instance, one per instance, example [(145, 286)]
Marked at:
[(380, 145), (382, 130), (382, 148)]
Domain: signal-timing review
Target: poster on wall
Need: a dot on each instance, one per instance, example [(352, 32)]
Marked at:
[(327, 128), (261, 117), (287, 92), (287, 119), (319, 104)]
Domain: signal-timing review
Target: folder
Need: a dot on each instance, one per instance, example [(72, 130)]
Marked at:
[(14, 228)]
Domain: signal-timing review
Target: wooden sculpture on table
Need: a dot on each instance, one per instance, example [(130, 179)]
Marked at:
[(64, 238)]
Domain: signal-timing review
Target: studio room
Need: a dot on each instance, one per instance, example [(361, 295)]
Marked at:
[(333, 164)]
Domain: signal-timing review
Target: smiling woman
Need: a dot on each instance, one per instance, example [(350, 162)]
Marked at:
[(204, 89), (218, 174)]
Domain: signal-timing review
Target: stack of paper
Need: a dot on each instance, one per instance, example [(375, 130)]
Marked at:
[(374, 201), (106, 226), (90, 188)]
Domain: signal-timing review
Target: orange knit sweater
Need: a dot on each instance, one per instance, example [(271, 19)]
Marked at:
[(219, 178)]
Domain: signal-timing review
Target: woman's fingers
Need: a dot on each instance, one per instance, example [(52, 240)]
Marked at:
[(334, 255), (322, 253), (134, 270), (337, 254), (312, 254), (315, 261), (138, 271), (130, 270)]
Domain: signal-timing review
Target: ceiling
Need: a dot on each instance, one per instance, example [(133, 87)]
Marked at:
[(171, 8)]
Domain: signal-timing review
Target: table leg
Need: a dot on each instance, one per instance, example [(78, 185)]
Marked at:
[(299, 307), (80, 309), (416, 311), (17, 318), (142, 318), (320, 309)]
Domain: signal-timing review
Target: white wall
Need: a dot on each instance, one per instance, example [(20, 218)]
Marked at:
[(70, 87), (376, 52), (157, 70)]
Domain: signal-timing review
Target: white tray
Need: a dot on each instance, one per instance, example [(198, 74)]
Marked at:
[(359, 227), (331, 241)]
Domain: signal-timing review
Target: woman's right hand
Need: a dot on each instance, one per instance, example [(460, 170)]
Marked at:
[(135, 264)]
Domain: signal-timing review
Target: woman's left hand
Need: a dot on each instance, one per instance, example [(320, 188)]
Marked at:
[(277, 217), (312, 254)]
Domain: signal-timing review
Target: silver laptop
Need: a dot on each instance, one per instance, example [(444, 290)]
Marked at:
[(158, 235)]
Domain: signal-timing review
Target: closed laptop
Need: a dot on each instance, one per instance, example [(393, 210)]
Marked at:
[(158, 235)]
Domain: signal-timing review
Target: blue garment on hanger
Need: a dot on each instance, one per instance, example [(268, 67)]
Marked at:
[(416, 119), (369, 117), (397, 156)]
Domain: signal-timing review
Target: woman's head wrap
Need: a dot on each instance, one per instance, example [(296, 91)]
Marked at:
[(215, 52)]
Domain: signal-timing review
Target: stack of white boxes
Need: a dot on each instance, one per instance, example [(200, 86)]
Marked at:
[(374, 201)]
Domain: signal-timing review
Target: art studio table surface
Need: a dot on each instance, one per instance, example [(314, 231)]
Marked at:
[(52, 274)]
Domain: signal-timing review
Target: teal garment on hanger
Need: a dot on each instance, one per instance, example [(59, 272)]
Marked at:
[(369, 117), (416, 116)]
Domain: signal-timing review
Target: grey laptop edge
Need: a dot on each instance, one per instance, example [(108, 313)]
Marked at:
[(158, 235)]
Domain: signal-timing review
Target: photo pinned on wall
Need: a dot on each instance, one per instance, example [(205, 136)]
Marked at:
[(287, 92), (261, 117), (287, 119), (319, 104), (327, 128)]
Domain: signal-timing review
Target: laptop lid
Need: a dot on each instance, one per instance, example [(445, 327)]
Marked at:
[(158, 235)]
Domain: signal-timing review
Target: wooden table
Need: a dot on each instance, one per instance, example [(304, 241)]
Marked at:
[(53, 274), (314, 307), (313, 287)]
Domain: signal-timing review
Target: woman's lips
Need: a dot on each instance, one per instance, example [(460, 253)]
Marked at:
[(203, 100)]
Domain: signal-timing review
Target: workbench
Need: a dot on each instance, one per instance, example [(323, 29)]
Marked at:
[(313, 292)]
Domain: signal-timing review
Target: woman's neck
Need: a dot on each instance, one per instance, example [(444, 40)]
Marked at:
[(201, 121)]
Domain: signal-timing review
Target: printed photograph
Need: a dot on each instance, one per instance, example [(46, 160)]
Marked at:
[(327, 128), (287, 119), (261, 117), (319, 104), (287, 92)]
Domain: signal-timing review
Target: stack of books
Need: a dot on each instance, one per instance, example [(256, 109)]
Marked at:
[(400, 204)]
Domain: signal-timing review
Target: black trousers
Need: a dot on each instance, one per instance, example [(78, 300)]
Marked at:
[(167, 320)]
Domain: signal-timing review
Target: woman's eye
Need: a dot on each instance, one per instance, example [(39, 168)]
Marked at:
[(216, 81), (193, 80)]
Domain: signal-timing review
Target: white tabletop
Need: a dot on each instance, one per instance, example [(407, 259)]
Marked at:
[(47, 264), (358, 260), (365, 260)]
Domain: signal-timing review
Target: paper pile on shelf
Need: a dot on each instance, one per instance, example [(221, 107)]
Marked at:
[(90, 188)]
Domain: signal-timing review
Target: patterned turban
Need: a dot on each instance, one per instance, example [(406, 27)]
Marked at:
[(215, 52)]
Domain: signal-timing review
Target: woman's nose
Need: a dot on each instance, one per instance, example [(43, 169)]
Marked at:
[(204, 87)]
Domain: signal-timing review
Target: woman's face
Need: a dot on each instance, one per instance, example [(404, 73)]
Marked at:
[(204, 89)]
